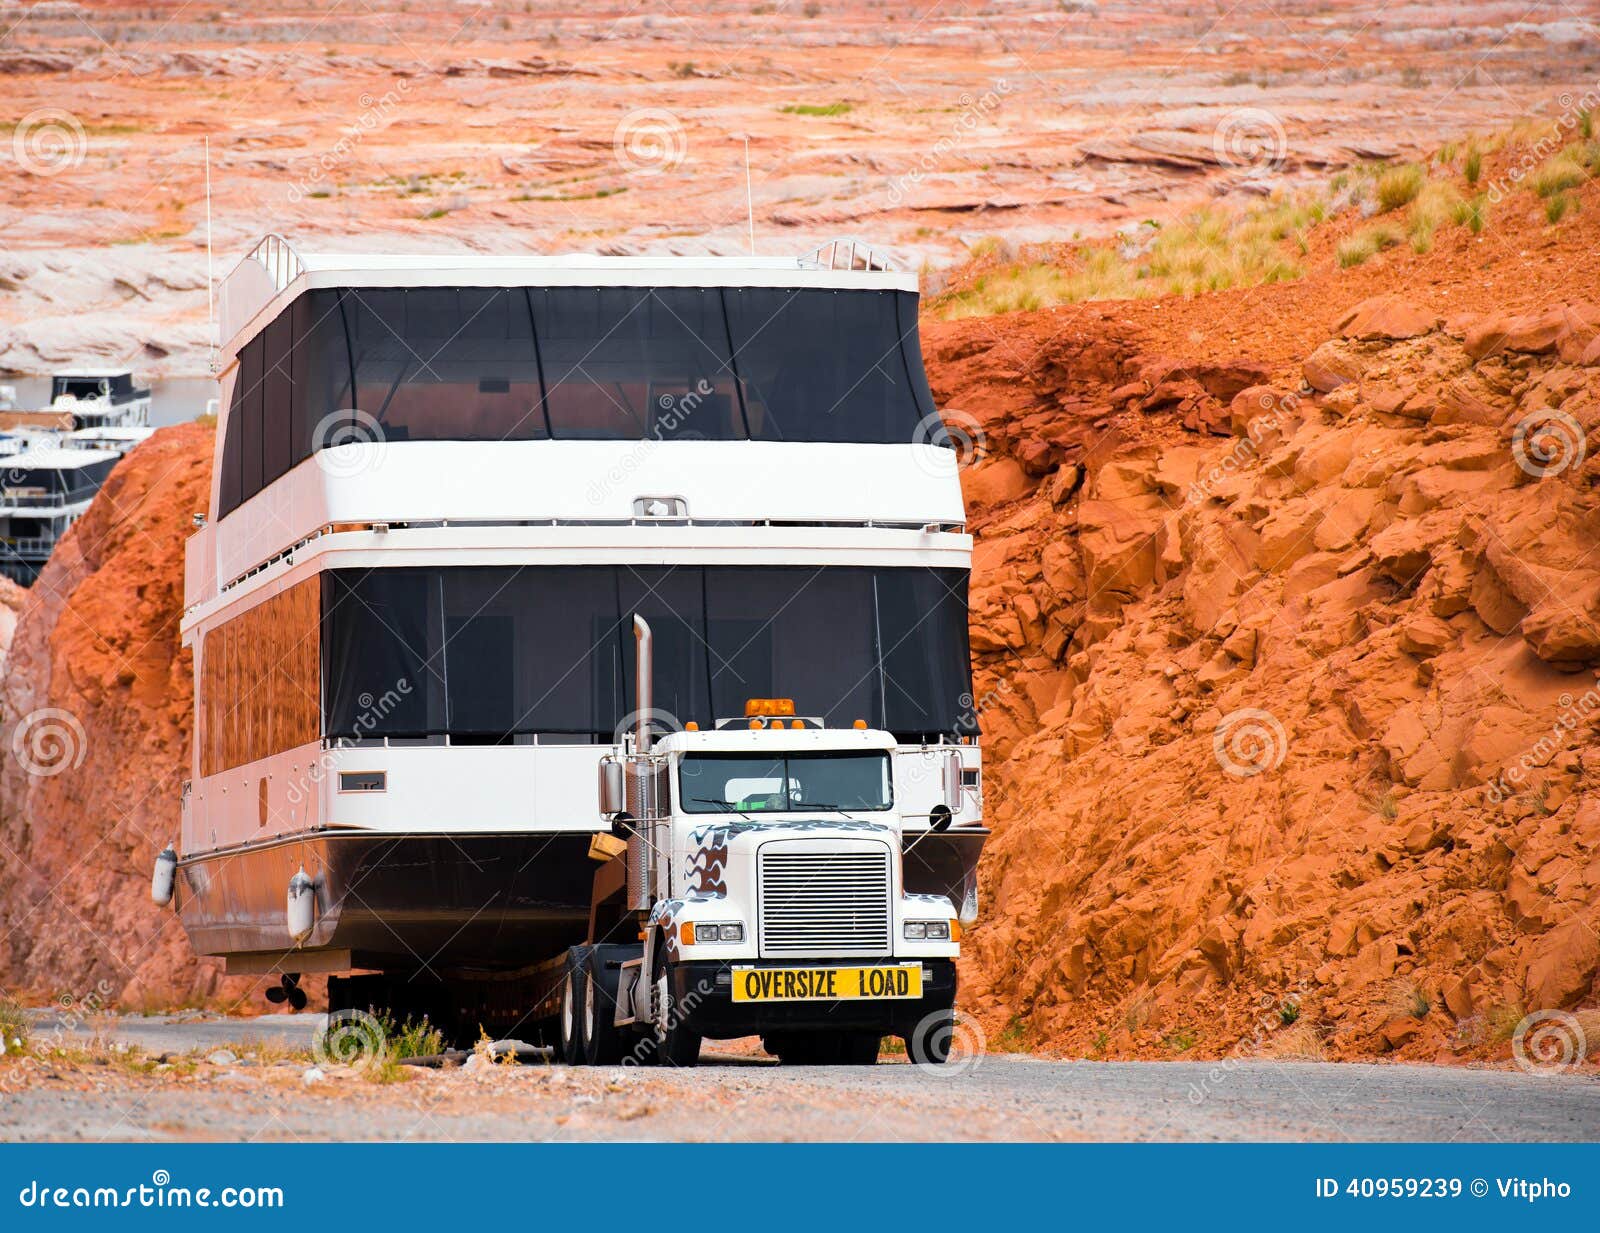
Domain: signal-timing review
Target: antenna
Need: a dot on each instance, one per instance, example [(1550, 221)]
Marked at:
[(749, 201), (211, 282)]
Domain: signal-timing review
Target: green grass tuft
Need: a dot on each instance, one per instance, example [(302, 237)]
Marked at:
[(817, 109), (1399, 186)]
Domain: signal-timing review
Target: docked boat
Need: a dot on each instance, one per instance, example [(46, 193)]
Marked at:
[(44, 489), (100, 398)]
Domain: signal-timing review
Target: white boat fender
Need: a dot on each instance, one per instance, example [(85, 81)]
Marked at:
[(166, 874), (302, 909)]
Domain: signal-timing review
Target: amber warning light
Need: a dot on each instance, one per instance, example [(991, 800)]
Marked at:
[(754, 707)]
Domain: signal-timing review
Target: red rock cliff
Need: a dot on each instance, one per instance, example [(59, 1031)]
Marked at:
[(95, 712)]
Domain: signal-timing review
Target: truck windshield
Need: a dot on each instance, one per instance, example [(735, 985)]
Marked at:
[(796, 783)]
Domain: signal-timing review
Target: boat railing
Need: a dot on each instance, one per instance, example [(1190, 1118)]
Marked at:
[(846, 253), (43, 500), (29, 545), (277, 257)]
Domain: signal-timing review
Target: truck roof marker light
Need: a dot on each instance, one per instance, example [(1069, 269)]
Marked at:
[(859, 724), (756, 725), (691, 726), (768, 707), (796, 723)]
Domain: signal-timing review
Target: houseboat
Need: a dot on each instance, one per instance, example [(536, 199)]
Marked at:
[(44, 489), (450, 492)]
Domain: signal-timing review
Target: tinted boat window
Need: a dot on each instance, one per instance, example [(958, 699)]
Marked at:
[(446, 364), (491, 652), (635, 363), (578, 363), (277, 398), (823, 365)]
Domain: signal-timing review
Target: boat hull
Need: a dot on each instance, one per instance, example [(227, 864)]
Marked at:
[(411, 902)]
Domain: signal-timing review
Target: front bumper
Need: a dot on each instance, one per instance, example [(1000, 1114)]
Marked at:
[(704, 988)]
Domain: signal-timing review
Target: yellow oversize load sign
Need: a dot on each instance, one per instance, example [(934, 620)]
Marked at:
[(826, 984)]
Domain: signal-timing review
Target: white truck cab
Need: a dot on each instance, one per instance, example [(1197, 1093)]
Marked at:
[(763, 883)]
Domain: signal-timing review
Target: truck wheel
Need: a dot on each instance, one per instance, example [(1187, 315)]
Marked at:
[(602, 1041), (929, 1045), (676, 1045), (574, 984)]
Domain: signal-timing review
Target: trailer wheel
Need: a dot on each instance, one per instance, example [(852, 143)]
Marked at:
[(602, 1040), (574, 984), (676, 1045)]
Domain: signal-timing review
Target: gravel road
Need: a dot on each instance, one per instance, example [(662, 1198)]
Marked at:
[(733, 1096)]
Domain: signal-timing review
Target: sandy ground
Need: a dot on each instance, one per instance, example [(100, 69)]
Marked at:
[(261, 1092)]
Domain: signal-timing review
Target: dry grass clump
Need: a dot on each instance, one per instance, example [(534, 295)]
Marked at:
[(13, 1025), (1356, 248), (1207, 250), (1301, 1042), (1435, 205), (1557, 175), (1399, 186)]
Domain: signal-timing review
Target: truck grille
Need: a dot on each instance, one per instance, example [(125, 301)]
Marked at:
[(825, 903)]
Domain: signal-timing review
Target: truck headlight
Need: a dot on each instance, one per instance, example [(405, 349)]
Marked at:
[(927, 931), (733, 932)]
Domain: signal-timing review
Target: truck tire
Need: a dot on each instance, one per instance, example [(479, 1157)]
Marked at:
[(676, 1045), (602, 1039), (574, 984), (930, 1044)]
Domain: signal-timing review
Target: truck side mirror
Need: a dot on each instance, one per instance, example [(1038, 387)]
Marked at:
[(952, 781), (611, 790)]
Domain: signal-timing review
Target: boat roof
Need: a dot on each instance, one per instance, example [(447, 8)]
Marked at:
[(111, 432), (54, 458), (275, 272), (93, 374)]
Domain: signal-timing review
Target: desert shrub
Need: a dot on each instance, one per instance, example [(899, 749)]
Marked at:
[(817, 109), (13, 1025), (1557, 175), (1471, 214), (1362, 245), (1434, 206), (1399, 186), (1558, 207), (1473, 167)]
